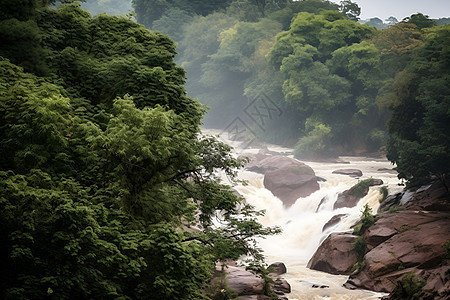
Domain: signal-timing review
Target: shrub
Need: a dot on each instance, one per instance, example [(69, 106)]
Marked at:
[(359, 189), (410, 287), (384, 192), (360, 248)]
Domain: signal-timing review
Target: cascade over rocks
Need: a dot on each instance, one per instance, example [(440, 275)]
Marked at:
[(351, 197), (287, 178), (409, 240), (333, 221)]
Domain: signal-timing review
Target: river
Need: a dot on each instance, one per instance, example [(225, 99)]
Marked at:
[(302, 223)]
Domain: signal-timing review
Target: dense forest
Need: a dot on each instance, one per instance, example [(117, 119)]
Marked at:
[(343, 87), (106, 178)]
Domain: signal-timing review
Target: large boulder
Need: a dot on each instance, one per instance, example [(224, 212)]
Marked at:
[(402, 240), (262, 163), (278, 285), (244, 282), (334, 255), (287, 178), (278, 268)]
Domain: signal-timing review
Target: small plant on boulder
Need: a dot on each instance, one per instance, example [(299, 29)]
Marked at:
[(410, 287)]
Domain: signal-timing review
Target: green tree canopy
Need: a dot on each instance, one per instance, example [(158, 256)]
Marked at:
[(419, 127), (107, 187)]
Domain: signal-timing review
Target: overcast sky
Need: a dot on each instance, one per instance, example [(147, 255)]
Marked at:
[(383, 9)]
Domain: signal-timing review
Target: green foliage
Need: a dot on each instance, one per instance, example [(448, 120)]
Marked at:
[(367, 219), (384, 193), (103, 171), (111, 7), (446, 247), (357, 267), (360, 189), (350, 9), (330, 75), (420, 20), (419, 124), (409, 287), (360, 248), (396, 208), (150, 11), (285, 15), (264, 271), (314, 145)]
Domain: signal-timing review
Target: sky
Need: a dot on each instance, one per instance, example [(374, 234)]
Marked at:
[(383, 9)]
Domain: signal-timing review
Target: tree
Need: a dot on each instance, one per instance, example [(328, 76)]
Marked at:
[(313, 57), (418, 129), (391, 20), (285, 15), (99, 189), (375, 22), (350, 9), (149, 11), (420, 20)]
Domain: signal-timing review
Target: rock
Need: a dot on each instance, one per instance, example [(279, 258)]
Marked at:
[(438, 282), (253, 160), (333, 255), (255, 297), (405, 240), (316, 286), (375, 182), (247, 285), (333, 221), (287, 178), (263, 163), (386, 170), (350, 172), (429, 197), (351, 197), (280, 286), (278, 268), (322, 201), (244, 282), (390, 202), (291, 181), (347, 199)]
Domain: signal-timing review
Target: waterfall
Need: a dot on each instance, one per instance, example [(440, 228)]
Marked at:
[(302, 223)]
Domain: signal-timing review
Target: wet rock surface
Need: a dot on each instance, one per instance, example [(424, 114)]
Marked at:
[(408, 236), (247, 285), (351, 197), (287, 178), (349, 172), (334, 255)]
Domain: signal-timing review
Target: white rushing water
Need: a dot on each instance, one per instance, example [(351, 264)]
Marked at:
[(302, 223)]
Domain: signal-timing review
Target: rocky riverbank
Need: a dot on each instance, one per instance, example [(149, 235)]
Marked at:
[(232, 282), (405, 252)]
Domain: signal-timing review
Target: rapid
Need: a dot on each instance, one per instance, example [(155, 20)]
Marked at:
[(302, 223)]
